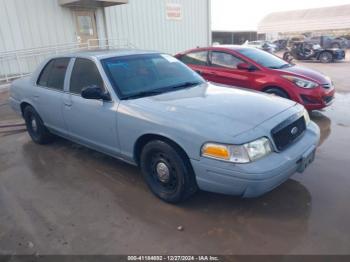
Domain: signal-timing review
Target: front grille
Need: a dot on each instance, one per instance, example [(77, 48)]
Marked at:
[(328, 99), (288, 131)]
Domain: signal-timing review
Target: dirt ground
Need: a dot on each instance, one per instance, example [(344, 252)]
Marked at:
[(65, 199)]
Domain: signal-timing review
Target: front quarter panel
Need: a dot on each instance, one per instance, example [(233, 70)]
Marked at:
[(134, 123)]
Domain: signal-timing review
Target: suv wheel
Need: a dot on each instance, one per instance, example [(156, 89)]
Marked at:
[(167, 171), (35, 126), (326, 57), (277, 92)]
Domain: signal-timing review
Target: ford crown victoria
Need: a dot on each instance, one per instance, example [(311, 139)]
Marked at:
[(151, 110)]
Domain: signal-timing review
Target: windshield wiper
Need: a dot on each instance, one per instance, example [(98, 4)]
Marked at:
[(285, 66), (183, 85), (280, 67), (143, 94), (162, 90)]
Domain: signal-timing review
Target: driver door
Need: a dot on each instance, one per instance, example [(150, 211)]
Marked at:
[(224, 70), (90, 122)]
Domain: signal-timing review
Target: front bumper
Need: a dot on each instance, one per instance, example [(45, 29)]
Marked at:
[(318, 98), (15, 105), (256, 178), (340, 55)]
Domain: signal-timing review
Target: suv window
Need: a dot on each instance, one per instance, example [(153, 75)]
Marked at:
[(84, 74), (195, 58), (53, 74), (221, 59)]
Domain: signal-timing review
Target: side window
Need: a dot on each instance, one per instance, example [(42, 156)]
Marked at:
[(44, 75), (221, 59), (54, 73), (195, 58), (85, 73)]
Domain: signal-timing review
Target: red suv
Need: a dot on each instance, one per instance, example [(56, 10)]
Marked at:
[(256, 69)]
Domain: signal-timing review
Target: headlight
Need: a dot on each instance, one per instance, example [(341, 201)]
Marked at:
[(238, 153), (301, 82), (306, 117)]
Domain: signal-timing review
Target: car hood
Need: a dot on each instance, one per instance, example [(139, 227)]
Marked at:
[(213, 106), (307, 73)]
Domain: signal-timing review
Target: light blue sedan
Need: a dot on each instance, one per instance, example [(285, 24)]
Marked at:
[(150, 110)]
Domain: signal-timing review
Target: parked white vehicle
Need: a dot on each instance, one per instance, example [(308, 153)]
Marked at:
[(264, 45)]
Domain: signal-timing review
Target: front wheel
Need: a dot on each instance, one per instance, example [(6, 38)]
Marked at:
[(326, 57), (35, 126), (167, 171)]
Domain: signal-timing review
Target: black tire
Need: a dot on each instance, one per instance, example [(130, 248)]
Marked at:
[(287, 56), (35, 126), (167, 171), (325, 57), (277, 92)]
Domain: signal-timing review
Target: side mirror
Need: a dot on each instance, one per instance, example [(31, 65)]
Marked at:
[(246, 66), (95, 92)]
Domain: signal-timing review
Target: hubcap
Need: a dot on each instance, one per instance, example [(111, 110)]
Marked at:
[(163, 172), (34, 125)]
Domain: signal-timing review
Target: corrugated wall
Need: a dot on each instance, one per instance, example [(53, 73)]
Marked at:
[(144, 24), (34, 23)]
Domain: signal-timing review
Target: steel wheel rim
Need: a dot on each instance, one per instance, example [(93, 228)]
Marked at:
[(164, 173)]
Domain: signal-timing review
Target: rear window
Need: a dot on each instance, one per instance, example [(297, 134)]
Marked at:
[(195, 58), (53, 74)]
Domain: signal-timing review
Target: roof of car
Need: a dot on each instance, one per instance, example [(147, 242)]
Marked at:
[(106, 53), (233, 47)]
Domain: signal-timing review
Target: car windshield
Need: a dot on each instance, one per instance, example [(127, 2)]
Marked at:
[(149, 74), (264, 58)]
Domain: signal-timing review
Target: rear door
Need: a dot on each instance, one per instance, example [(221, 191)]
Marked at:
[(223, 70), (48, 98), (198, 61)]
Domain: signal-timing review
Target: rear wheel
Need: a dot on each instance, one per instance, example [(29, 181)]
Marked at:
[(167, 171), (35, 126), (287, 56), (277, 92), (326, 57)]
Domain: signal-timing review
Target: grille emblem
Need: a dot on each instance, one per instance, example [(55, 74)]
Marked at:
[(294, 130)]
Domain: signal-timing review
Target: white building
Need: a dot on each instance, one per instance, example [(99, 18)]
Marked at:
[(33, 29), (333, 20)]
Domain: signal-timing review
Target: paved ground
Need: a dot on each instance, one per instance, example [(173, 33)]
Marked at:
[(66, 199)]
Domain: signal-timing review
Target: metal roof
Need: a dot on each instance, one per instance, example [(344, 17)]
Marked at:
[(326, 18), (106, 53)]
